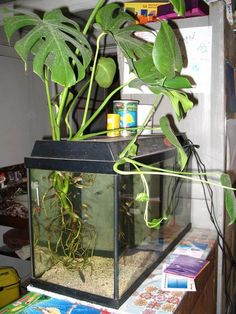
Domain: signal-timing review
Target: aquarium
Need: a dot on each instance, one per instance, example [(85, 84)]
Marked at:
[(89, 239)]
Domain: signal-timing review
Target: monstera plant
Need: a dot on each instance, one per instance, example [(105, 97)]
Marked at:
[(63, 55)]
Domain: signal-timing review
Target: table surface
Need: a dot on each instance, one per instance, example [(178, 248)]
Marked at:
[(149, 298)]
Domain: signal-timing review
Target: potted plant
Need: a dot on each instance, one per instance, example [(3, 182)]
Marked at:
[(62, 55)]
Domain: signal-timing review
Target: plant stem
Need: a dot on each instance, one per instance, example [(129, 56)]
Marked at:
[(146, 191), (55, 125), (82, 89), (62, 104), (154, 223), (66, 90), (166, 173), (91, 81), (83, 137), (139, 164), (51, 114), (92, 15)]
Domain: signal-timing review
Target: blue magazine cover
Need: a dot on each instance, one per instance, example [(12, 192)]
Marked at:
[(55, 306), (34, 303)]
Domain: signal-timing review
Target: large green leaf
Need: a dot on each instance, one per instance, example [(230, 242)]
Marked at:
[(146, 70), (112, 17), (114, 21), (53, 41), (11, 24), (167, 131), (105, 72), (230, 200), (166, 52)]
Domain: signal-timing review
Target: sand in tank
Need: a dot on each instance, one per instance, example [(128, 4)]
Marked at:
[(100, 280)]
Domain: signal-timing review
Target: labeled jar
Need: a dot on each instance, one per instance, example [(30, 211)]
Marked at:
[(127, 110)]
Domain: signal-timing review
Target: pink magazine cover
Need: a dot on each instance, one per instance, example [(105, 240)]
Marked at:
[(186, 266)]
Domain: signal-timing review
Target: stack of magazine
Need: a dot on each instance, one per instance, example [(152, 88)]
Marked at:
[(183, 269)]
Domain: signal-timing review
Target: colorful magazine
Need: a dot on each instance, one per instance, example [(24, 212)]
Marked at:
[(186, 266), (34, 303)]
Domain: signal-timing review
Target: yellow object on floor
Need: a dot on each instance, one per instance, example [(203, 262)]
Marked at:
[(9, 285)]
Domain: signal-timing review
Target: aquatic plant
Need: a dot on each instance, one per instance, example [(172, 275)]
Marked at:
[(61, 233)]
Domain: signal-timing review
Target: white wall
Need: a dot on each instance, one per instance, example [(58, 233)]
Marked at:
[(23, 108)]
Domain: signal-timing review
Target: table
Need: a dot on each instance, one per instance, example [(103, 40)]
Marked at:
[(149, 298)]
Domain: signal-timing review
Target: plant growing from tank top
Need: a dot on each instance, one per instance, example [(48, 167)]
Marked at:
[(62, 55)]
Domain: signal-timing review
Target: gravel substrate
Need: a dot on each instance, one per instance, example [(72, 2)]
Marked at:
[(100, 280)]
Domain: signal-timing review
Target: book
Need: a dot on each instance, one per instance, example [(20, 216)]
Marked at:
[(171, 282), (187, 266)]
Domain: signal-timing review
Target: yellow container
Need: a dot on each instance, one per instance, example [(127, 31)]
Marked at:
[(9, 285), (113, 123)]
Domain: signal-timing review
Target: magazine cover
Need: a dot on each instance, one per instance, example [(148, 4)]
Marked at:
[(187, 266), (34, 303)]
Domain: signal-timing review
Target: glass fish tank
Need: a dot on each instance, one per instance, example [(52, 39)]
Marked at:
[(89, 239)]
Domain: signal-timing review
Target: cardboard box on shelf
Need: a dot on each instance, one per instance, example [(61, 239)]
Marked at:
[(144, 11)]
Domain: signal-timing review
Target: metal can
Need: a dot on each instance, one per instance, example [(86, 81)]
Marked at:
[(113, 123), (127, 110)]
